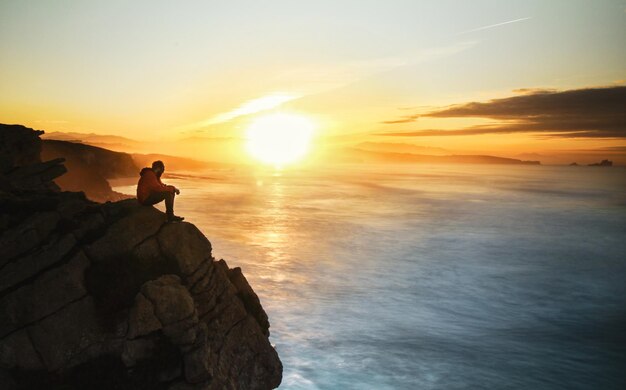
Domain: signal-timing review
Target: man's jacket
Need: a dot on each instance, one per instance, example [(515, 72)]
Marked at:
[(149, 182)]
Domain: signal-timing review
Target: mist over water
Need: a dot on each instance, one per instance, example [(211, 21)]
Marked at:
[(429, 277)]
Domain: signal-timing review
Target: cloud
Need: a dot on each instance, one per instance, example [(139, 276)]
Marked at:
[(493, 25), (321, 78), (253, 106), (404, 119), (530, 91), (605, 149), (580, 113)]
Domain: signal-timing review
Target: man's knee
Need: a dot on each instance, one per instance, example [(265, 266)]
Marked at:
[(157, 197)]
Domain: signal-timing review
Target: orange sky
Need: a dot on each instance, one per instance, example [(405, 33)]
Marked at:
[(165, 72)]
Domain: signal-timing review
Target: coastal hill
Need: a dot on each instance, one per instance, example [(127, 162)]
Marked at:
[(110, 142), (89, 168), (110, 296), (191, 153)]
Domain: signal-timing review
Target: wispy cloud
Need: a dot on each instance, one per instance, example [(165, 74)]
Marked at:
[(253, 106), (404, 119), (320, 78), (493, 25)]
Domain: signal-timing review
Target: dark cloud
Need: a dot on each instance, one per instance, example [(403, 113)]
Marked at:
[(605, 149), (533, 90), (588, 113)]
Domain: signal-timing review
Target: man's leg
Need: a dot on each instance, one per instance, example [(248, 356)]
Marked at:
[(166, 196), (169, 208), (154, 198), (169, 202)]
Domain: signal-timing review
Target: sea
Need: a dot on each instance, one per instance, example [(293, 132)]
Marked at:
[(427, 276)]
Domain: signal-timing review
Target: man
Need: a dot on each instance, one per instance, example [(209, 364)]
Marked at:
[(150, 190)]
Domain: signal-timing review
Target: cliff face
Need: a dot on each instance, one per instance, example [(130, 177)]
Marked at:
[(89, 167), (111, 296)]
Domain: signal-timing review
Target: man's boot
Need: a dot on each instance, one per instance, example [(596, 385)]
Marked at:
[(174, 218)]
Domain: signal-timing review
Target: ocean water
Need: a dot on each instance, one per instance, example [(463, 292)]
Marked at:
[(429, 277)]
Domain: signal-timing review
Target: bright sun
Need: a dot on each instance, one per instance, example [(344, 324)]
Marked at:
[(279, 138)]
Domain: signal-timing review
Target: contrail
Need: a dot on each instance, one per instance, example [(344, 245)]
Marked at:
[(493, 25)]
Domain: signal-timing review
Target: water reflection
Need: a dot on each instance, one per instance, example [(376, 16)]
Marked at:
[(273, 231), (430, 277)]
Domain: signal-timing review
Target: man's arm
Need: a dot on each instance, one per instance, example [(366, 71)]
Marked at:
[(154, 184), (166, 187)]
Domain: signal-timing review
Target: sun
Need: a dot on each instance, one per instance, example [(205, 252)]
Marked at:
[(279, 138)]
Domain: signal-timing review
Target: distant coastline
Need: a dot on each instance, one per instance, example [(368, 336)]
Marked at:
[(361, 155), (365, 152)]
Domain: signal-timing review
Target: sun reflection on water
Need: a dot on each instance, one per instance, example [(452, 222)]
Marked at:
[(274, 229)]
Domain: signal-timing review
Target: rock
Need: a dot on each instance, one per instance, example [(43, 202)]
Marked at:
[(37, 176), (29, 235), (197, 368), (20, 161), (125, 234), (185, 243), (63, 285), (138, 350), (243, 338), (61, 338), (112, 295), (19, 146), (191, 386), (31, 265), (172, 301), (89, 167), (169, 374), (249, 298), (18, 351), (603, 163), (141, 320)]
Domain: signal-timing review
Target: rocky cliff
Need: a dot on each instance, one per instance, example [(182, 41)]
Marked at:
[(110, 296), (89, 168)]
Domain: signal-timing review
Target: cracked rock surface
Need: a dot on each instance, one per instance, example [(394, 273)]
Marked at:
[(111, 296)]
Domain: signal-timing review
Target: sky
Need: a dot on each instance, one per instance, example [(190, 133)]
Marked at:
[(392, 71)]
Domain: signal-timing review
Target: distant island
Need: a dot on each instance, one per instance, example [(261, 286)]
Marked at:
[(603, 163)]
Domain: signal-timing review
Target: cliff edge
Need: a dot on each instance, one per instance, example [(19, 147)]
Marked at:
[(110, 296), (89, 168)]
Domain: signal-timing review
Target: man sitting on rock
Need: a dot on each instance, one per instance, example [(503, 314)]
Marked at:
[(150, 190)]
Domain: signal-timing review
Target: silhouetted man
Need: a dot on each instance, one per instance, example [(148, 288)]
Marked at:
[(150, 190)]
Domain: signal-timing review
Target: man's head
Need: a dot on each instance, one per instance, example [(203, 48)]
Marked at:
[(158, 167)]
